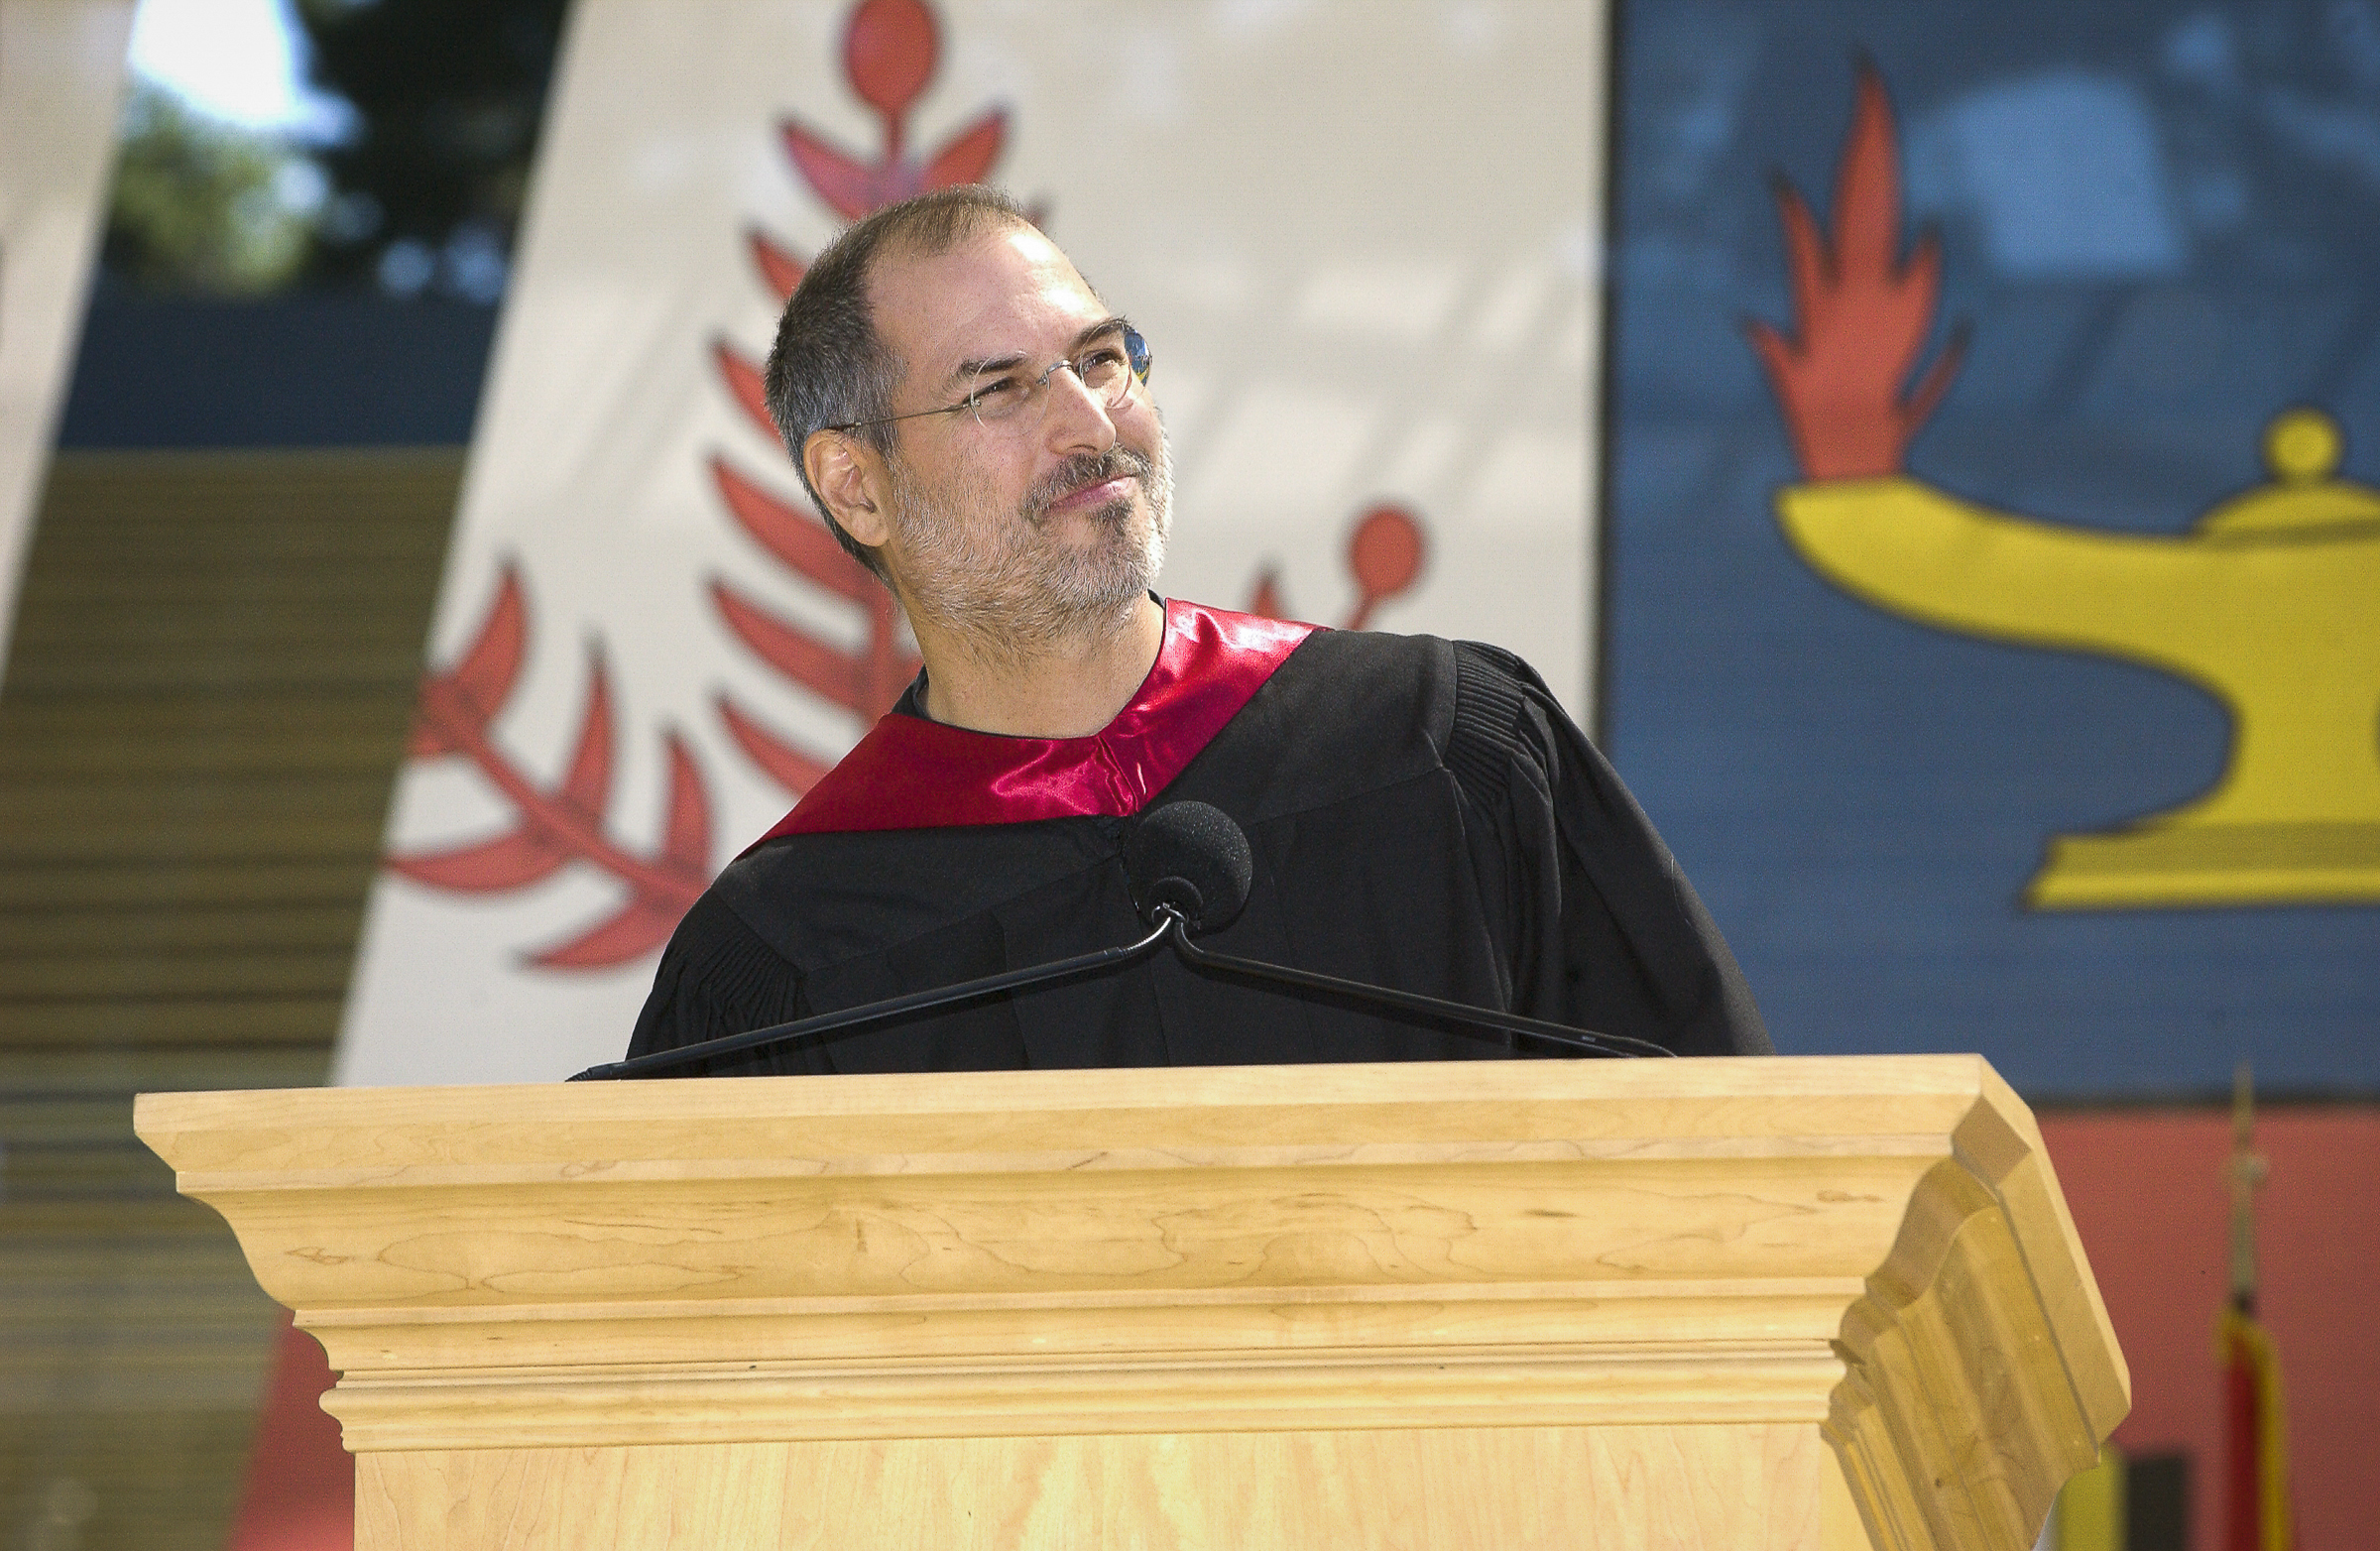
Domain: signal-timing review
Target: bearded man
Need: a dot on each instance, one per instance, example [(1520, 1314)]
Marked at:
[(976, 425)]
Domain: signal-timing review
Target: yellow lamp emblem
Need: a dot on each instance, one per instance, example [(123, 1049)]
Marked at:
[(2270, 602)]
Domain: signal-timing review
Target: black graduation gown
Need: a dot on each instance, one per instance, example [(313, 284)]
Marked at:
[(1423, 815)]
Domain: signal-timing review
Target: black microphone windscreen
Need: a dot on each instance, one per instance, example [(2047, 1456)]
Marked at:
[(1191, 856)]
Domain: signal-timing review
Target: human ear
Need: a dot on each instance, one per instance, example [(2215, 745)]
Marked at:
[(849, 478)]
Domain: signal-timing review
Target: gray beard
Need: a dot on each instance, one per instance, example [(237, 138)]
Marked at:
[(1005, 593)]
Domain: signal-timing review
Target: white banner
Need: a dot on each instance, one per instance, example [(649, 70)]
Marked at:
[(61, 74), (1359, 238)]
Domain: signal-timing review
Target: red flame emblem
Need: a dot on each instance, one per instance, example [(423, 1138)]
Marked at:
[(1861, 314)]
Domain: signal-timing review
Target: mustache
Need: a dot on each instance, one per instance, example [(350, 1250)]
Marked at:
[(1087, 468)]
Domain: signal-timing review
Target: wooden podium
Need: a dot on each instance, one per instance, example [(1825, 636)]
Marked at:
[(1811, 1302)]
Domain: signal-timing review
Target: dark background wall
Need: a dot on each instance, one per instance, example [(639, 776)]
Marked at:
[(305, 368)]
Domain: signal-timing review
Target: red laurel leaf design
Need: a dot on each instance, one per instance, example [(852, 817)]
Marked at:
[(795, 537), (1385, 553), (474, 687), (785, 765), (844, 181), (587, 788), (1860, 315), (744, 381), (779, 270), (969, 155), (562, 823), (824, 670), (510, 860), (640, 925), (492, 664), (647, 918), (890, 51), (1266, 598), (686, 824)]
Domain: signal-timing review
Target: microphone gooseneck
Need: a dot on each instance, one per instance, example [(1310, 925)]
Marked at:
[(1190, 870), (1406, 1007), (827, 1026), (1190, 867)]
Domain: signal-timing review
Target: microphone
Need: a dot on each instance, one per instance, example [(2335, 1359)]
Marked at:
[(1191, 858), (1191, 869)]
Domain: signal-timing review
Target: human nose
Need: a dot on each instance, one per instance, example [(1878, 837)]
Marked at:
[(1074, 415)]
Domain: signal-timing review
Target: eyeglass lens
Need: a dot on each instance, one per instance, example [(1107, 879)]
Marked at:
[(1108, 369)]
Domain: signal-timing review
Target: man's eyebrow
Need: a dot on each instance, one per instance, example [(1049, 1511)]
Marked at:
[(1009, 363), (1105, 325), (990, 364)]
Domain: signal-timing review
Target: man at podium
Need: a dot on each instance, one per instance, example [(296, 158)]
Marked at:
[(978, 429)]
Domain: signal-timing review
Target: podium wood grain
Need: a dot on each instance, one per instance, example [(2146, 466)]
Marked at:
[(1746, 1303)]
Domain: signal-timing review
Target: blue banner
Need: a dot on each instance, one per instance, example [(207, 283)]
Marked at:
[(1993, 567)]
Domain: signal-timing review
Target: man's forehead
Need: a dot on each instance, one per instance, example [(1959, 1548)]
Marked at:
[(998, 290)]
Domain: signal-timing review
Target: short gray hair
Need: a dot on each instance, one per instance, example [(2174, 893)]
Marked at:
[(829, 366)]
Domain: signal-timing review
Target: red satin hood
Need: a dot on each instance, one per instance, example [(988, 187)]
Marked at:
[(913, 773)]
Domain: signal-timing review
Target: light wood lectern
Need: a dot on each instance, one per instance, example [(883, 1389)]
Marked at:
[(1492, 1305)]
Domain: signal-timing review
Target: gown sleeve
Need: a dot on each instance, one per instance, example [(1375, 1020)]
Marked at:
[(719, 976), (1600, 927)]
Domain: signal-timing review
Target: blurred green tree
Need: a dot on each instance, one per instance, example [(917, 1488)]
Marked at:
[(421, 190), (203, 205)]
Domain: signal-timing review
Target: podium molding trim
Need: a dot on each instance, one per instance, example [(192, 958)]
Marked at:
[(1872, 1250)]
